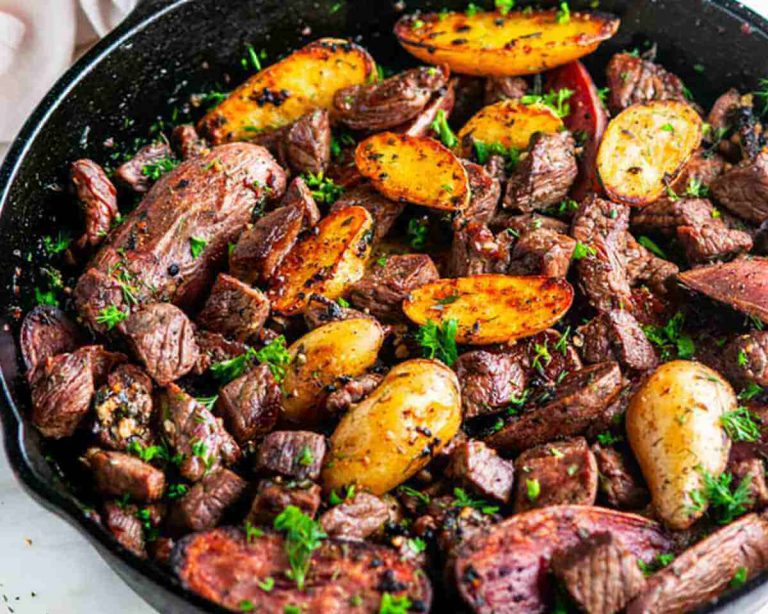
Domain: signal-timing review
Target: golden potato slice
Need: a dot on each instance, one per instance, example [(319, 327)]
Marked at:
[(491, 308), (509, 123), (489, 44), (645, 147), (416, 169), (325, 262), (381, 442), (280, 94), (319, 358)]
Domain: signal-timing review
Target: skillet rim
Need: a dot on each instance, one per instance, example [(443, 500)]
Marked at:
[(41, 490)]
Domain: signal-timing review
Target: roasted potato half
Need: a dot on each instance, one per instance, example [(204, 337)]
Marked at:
[(325, 262), (509, 123), (489, 44), (645, 147), (319, 358), (281, 93), (491, 308), (380, 443), (415, 169), (674, 427)]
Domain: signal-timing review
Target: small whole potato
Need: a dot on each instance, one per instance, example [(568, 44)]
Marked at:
[(319, 358), (674, 427), (397, 430)]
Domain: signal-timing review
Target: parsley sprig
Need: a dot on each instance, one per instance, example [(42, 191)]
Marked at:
[(324, 189), (302, 537), (443, 130), (439, 340), (740, 425), (557, 100), (670, 338), (725, 503), (462, 499)]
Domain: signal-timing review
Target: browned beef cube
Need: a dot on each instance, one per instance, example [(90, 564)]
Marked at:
[(98, 197), (632, 79), (307, 143), (642, 267), (485, 193), (545, 175), (123, 408), (214, 348), (206, 502), (713, 240), (382, 289), (194, 433), (350, 392), (746, 463), (723, 107), (559, 473), (131, 173), (383, 211), (273, 497), (358, 518), (542, 252), (519, 224), (701, 169), (122, 522), (234, 309), (666, 215), (187, 142), (746, 358), (45, 332), (600, 574), (479, 468), (476, 250), (250, 404), (503, 88), (160, 549), (549, 357), (621, 486), (616, 335), (744, 189), (293, 454), (117, 474), (489, 379), (321, 310)]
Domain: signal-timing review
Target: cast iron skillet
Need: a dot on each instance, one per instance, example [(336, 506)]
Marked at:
[(168, 49)]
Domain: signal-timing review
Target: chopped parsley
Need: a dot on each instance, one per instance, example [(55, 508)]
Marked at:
[(740, 425), (148, 453), (390, 604), (253, 59), (302, 537), (473, 9), (46, 297), (439, 340), (582, 250), (750, 391), (305, 456), (556, 100), (342, 302), (276, 356), (409, 491), (417, 545), (417, 232), (742, 359), (111, 316), (57, 245), (348, 493), (739, 578), (251, 532), (504, 6), (608, 439), (484, 151), (695, 189), (227, 370), (324, 189), (725, 503), (267, 584), (669, 338), (532, 489), (443, 130), (563, 14), (658, 562), (462, 499), (196, 246), (157, 168), (652, 247), (208, 402), (176, 491), (542, 357)]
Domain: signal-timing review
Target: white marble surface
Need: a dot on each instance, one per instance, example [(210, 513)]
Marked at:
[(47, 567)]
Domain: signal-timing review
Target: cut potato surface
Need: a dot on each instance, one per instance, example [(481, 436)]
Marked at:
[(645, 147), (278, 95), (414, 169), (495, 45), (491, 308), (509, 123), (325, 262)]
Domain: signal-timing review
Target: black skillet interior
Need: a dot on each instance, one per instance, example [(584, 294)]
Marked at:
[(168, 50)]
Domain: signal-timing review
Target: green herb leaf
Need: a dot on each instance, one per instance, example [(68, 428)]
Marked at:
[(390, 604), (439, 341), (111, 316), (441, 128), (53, 246), (556, 100), (532, 489), (276, 355), (652, 247), (417, 232), (302, 537), (658, 562), (582, 251), (157, 168), (504, 6), (725, 504), (196, 246), (563, 13), (740, 425), (462, 499), (324, 189), (739, 578)]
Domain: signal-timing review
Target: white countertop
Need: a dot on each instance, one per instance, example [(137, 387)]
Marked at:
[(47, 567)]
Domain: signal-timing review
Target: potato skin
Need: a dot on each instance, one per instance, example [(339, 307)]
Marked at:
[(398, 166), (644, 148), (281, 93), (491, 308), (342, 348), (382, 441), (325, 262), (673, 425), (488, 44)]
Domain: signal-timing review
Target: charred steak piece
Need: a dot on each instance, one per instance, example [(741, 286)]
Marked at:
[(272, 497), (476, 250), (600, 574), (699, 172), (746, 358), (632, 79), (581, 401), (621, 487), (163, 338), (545, 175), (132, 174), (157, 254), (718, 117), (388, 103), (383, 211), (195, 434), (205, 504), (485, 190), (616, 335), (225, 567), (503, 88), (421, 125), (542, 252), (744, 189), (116, 474), (519, 224), (250, 404), (384, 286), (477, 467), (489, 379), (187, 142), (98, 198), (549, 358), (746, 463), (705, 570), (560, 473), (213, 348), (123, 408), (645, 268), (358, 518), (234, 309), (349, 392), (293, 454), (125, 526), (45, 332), (307, 143), (601, 226)]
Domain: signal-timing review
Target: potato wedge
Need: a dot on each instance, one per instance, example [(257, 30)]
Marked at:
[(674, 427), (509, 123), (325, 262), (280, 94), (645, 147), (491, 308), (415, 169), (380, 443), (319, 358), (489, 44)]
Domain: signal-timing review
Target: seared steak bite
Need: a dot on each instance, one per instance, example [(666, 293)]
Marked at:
[(383, 211), (632, 79), (98, 198), (163, 338), (549, 357), (213, 348), (746, 465), (645, 268), (541, 252), (45, 332), (743, 189), (293, 454), (699, 173), (476, 250), (207, 501), (490, 379), (503, 88), (187, 142), (123, 408), (117, 474), (359, 517), (234, 309), (746, 358), (272, 497), (122, 522), (479, 468), (250, 404), (485, 193), (132, 173), (307, 143), (619, 484), (349, 392), (718, 117), (617, 335)]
